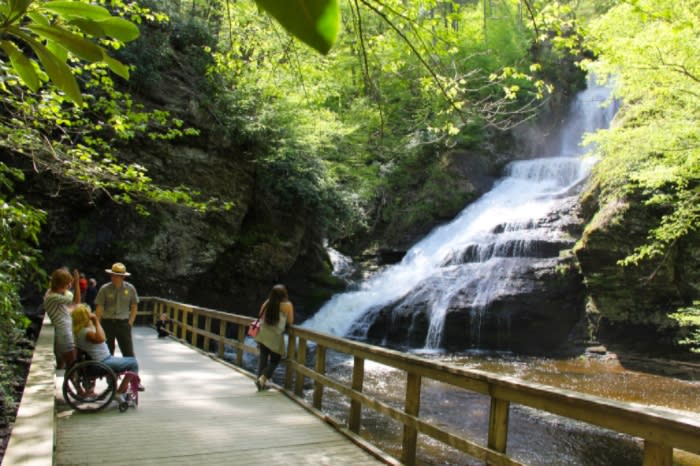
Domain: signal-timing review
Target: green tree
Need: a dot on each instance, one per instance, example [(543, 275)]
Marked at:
[(20, 225), (688, 319), (647, 49)]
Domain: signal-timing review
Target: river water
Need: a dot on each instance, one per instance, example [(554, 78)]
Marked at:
[(534, 437)]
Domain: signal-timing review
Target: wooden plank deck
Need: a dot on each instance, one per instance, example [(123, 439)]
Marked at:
[(199, 411)]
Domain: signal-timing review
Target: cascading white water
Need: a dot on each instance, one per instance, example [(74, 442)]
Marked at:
[(481, 247)]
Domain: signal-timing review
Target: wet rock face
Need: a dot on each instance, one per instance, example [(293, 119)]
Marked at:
[(524, 296), (225, 260), (635, 301), (434, 197), (535, 314)]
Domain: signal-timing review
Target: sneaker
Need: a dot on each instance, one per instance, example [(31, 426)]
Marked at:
[(261, 383), (141, 388), (120, 398)]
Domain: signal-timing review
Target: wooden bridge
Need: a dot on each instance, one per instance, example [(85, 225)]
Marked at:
[(198, 409)]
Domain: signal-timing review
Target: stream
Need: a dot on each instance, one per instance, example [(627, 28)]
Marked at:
[(535, 437)]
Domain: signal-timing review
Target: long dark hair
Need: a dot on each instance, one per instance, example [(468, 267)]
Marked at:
[(272, 307)]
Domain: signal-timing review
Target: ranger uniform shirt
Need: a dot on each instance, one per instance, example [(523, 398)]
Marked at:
[(116, 302)]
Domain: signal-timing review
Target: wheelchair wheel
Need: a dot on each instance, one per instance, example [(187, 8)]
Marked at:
[(89, 386)]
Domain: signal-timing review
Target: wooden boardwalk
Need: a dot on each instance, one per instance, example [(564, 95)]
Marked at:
[(199, 411)]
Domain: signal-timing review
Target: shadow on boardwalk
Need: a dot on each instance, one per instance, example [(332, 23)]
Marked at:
[(199, 411)]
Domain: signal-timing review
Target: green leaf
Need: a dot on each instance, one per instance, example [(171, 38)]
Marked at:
[(72, 10), (119, 28), (116, 66), (81, 47), (39, 18), (59, 73), (18, 7), (88, 26), (56, 48), (315, 22), (22, 65)]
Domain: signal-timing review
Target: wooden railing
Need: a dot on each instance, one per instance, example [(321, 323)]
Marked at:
[(661, 430)]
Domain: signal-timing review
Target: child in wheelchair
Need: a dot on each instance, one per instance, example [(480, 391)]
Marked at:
[(82, 379)]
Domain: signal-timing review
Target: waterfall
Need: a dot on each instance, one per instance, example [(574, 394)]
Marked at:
[(487, 245)]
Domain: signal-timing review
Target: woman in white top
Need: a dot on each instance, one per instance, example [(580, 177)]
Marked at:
[(90, 337), (275, 314)]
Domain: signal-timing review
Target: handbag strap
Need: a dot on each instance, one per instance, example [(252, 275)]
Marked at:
[(262, 313)]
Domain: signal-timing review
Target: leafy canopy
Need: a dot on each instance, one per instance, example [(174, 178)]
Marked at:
[(649, 50), (54, 29)]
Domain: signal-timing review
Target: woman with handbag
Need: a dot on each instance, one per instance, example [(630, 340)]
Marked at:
[(275, 314)]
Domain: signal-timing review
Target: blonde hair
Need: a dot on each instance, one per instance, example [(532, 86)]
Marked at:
[(81, 317), (60, 278)]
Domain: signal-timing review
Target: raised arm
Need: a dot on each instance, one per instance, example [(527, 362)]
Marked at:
[(76, 287), (98, 335)]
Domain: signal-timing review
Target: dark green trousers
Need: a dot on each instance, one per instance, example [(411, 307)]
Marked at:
[(120, 330)]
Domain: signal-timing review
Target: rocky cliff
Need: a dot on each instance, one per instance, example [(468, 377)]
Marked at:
[(225, 259), (633, 302)]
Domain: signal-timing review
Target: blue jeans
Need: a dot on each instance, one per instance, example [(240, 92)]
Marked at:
[(126, 363)]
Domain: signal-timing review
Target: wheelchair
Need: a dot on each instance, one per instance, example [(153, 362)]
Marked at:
[(90, 386)]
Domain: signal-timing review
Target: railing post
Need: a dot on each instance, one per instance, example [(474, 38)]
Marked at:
[(320, 369), (158, 309), (241, 340), (207, 331), (173, 319), (182, 319), (301, 359), (291, 351), (412, 407), (498, 424), (155, 307), (657, 454), (358, 377), (222, 335), (194, 327)]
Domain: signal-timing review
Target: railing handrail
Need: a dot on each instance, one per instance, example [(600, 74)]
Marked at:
[(519, 391), (661, 429)]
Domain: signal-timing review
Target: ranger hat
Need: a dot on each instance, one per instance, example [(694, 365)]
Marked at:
[(118, 269)]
